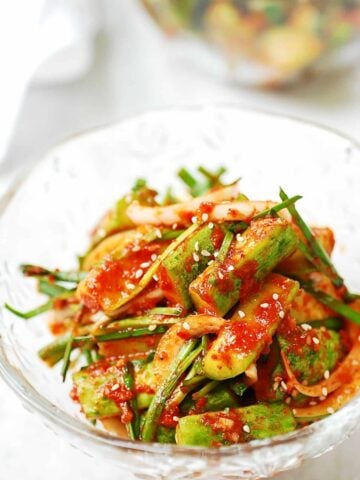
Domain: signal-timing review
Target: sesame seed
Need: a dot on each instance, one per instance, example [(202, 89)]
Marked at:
[(281, 314), (312, 403), (241, 314), (205, 217), (294, 411), (205, 253), (145, 265), (326, 374), (186, 326), (115, 387), (158, 233), (322, 398), (216, 253), (139, 273), (355, 362), (339, 398), (220, 275), (197, 246), (264, 305), (136, 248), (138, 235), (246, 428), (239, 237), (275, 386), (324, 391), (230, 268), (152, 327), (175, 418), (275, 296), (130, 286), (316, 340), (210, 262), (283, 385), (359, 338), (196, 257), (306, 326), (211, 225), (153, 257), (330, 410), (347, 391), (194, 219), (174, 227), (288, 400), (155, 277)]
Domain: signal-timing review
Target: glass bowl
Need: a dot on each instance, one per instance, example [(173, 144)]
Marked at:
[(262, 42), (48, 220)]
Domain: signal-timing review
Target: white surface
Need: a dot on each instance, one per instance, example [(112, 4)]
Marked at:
[(135, 71)]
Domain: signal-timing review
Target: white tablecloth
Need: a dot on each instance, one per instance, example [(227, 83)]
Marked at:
[(134, 71)]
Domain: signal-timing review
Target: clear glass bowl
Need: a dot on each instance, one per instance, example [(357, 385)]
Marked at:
[(48, 219), (262, 42)]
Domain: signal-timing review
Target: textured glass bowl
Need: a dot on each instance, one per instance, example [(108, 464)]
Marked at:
[(48, 220), (262, 42)]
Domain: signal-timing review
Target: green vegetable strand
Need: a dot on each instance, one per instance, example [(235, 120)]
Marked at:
[(280, 206), (45, 307), (133, 428), (66, 360), (225, 246)]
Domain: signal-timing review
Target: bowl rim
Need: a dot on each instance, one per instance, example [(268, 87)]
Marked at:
[(29, 395)]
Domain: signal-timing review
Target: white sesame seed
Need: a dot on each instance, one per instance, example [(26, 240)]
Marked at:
[(158, 233), (152, 327), (115, 387), (275, 386), (220, 275), (316, 340), (130, 286), (196, 257), (312, 403), (326, 374), (205, 217), (322, 398), (355, 362), (330, 410), (153, 257), (136, 248), (339, 398), (197, 246), (275, 296), (155, 277), (281, 314), (205, 253), (306, 326), (283, 385), (194, 219), (241, 314), (246, 428), (186, 326), (294, 411), (230, 268), (210, 262), (347, 391), (211, 225), (145, 265), (174, 227), (175, 418), (138, 235), (264, 305), (324, 391), (139, 273), (216, 253), (288, 400), (239, 238), (359, 338)]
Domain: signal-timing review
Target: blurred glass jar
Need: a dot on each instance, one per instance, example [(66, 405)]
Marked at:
[(266, 42)]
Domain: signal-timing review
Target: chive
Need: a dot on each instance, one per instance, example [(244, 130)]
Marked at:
[(180, 364), (337, 305), (205, 389), (225, 246), (171, 234), (165, 311), (194, 380), (88, 356), (54, 351), (119, 335), (319, 254), (66, 360), (36, 271), (52, 289), (214, 178), (31, 313), (187, 178), (332, 323), (133, 428), (280, 206)]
